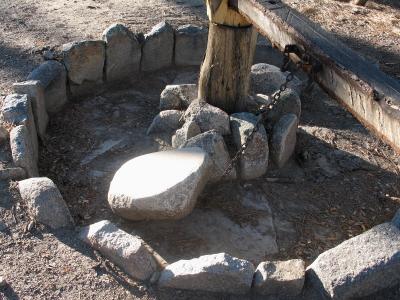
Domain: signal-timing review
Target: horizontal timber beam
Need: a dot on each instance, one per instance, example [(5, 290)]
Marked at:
[(372, 96)]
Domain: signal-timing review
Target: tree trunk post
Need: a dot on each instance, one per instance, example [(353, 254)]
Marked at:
[(225, 73)]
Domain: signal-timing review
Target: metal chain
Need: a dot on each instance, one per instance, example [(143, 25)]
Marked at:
[(262, 115)]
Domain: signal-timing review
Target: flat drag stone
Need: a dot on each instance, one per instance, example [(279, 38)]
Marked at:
[(212, 273), (280, 278), (190, 45), (160, 185), (125, 250), (359, 266), (178, 96)]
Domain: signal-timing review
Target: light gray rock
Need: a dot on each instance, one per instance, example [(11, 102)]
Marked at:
[(189, 130), (254, 103), (208, 117), (161, 185), (283, 278), (254, 161), (283, 141), (396, 219), (190, 45), (212, 273), (166, 121), (266, 79), (289, 103), (158, 48), (123, 53), (178, 96), (359, 266), (17, 110), (213, 143), (84, 61), (125, 250), (35, 91), (45, 203), (52, 75), (22, 150)]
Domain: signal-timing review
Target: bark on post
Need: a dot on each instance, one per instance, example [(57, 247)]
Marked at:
[(225, 73)]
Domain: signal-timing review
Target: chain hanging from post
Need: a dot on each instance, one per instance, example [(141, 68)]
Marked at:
[(264, 109)]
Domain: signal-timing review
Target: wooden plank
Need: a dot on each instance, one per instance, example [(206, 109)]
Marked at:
[(371, 95)]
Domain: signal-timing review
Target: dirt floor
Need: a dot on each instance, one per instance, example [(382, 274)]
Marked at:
[(341, 182)]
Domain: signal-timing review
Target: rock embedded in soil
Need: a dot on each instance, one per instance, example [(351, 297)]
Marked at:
[(35, 91), (45, 203), (190, 45), (22, 150), (283, 141), (360, 266), (213, 143), (212, 273), (254, 161), (178, 96), (84, 61), (166, 121), (52, 75), (158, 48), (289, 103), (189, 130), (160, 185), (125, 250), (208, 117), (283, 278), (123, 53)]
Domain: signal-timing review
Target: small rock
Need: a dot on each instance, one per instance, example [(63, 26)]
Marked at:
[(52, 75), (213, 143), (166, 121), (289, 103), (190, 45), (283, 141), (360, 266), (178, 96), (160, 185), (283, 278), (123, 53), (125, 250), (189, 130), (208, 117), (212, 273), (84, 61), (45, 203), (22, 150), (266, 79), (254, 162), (158, 48)]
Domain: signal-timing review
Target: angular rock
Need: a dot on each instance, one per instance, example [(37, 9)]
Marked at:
[(189, 130), (161, 185), (166, 121), (178, 96), (289, 103), (266, 79), (214, 145), (359, 266), (212, 273), (190, 45), (125, 250), (22, 150), (283, 278), (84, 61), (52, 75), (45, 203), (158, 48), (283, 141), (123, 53), (17, 110), (35, 91), (254, 161), (208, 117)]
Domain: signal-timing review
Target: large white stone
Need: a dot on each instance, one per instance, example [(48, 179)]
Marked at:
[(125, 250), (160, 185), (213, 273)]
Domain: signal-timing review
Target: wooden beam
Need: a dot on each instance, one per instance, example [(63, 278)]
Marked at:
[(220, 13), (371, 95)]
